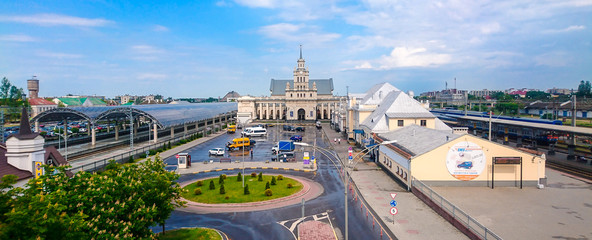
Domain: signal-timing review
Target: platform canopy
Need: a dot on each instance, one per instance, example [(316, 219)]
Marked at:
[(164, 115)]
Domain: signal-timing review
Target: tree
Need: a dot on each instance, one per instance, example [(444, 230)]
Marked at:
[(239, 177), (222, 191), (273, 180), (584, 89), (267, 186), (212, 186), (246, 189), (119, 203)]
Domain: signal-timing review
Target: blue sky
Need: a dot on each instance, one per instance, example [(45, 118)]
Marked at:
[(207, 48)]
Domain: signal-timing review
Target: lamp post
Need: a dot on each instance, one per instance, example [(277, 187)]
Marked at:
[(346, 173)]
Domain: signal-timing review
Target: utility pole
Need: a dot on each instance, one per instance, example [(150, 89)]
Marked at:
[(490, 113)]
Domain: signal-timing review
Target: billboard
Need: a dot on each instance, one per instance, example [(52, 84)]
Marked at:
[(465, 161)]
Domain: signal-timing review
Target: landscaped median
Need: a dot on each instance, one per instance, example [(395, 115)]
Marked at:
[(258, 198), (190, 233), (229, 189)]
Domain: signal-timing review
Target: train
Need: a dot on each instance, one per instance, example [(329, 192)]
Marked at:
[(541, 137), (454, 112)]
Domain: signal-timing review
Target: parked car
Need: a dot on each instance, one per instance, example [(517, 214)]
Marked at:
[(299, 129), (296, 138), (318, 124), (216, 151), (288, 128)]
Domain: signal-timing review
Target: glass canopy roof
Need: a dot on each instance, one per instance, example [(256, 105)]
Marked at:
[(164, 115)]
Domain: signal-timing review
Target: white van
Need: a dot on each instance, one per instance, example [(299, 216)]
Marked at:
[(255, 132)]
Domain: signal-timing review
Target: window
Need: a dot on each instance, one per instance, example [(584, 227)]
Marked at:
[(423, 123), (400, 123)]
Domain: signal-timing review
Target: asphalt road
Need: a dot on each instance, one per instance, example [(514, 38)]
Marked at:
[(266, 224)]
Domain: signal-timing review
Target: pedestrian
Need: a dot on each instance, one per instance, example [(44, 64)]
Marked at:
[(334, 140), (339, 140), (251, 153)]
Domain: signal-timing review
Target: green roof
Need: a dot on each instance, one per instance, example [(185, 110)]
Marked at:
[(95, 101), (128, 103), (71, 101)]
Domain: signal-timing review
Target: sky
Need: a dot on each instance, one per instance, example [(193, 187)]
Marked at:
[(208, 48)]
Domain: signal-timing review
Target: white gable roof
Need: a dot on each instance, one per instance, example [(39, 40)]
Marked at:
[(397, 104), (377, 93)]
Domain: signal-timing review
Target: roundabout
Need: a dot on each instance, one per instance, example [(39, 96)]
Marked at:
[(309, 190)]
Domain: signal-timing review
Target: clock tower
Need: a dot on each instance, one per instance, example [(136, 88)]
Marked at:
[(301, 77)]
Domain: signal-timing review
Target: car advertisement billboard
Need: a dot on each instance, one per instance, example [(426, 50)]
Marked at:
[(465, 161)]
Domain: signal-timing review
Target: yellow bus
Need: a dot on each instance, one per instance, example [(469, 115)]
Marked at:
[(238, 143), (231, 129)]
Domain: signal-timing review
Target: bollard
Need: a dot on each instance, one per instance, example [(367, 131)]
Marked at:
[(372, 224), (360, 206), (366, 214), (380, 233)]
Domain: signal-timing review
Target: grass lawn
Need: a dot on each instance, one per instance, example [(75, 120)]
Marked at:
[(190, 233), (235, 193)]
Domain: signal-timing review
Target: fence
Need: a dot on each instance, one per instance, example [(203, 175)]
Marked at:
[(124, 157), (455, 213)]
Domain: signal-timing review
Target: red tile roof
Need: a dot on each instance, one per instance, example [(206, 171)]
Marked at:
[(40, 101)]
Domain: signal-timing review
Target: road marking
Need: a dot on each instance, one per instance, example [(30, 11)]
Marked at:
[(275, 168), (265, 168), (218, 170)]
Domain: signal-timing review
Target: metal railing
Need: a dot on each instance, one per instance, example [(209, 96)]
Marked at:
[(456, 213)]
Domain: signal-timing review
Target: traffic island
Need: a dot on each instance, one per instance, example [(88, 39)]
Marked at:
[(259, 201)]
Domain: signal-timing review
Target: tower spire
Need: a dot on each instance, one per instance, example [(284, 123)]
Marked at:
[(300, 51)]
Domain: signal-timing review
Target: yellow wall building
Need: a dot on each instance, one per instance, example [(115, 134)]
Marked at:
[(441, 158)]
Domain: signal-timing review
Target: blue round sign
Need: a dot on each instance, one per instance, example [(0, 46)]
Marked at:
[(393, 203)]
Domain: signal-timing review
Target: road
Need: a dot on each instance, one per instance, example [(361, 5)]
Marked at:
[(328, 208)]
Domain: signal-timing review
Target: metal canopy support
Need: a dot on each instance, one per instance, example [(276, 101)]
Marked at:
[(93, 135), (131, 118), (155, 129)]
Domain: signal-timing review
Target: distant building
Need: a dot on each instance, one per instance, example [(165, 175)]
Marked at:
[(39, 105), (231, 96), (80, 102), (299, 98), (485, 93), (559, 91)]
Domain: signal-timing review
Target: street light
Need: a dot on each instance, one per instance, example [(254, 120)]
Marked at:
[(346, 173)]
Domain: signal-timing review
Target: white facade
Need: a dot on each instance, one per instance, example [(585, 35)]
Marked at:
[(300, 98)]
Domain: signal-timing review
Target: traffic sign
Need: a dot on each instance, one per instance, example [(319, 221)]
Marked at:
[(350, 148), (394, 211), (393, 203), (393, 195), (350, 158)]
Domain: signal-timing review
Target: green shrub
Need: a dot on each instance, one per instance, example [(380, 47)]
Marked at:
[(222, 191), (170, 145), (267, 185), (112, 165), (280, 177), (199, 135), (224, 176), (197, 191), (268, 192), (227, 197), (246, 189), (199, 183), (290, 185), (182, 141), (260, 179), (212, 186), (152, 152), (221, 180), (239, 177), (253, 174), (272, 180), (130, 159)]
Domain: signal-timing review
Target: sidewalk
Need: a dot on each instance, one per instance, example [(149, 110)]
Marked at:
[(415, 220)]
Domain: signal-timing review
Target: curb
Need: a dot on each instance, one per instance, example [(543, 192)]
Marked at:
[(272, 168)]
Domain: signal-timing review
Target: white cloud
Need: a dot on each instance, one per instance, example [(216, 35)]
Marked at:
[(553, 59), (258, 3), (58, 55), (223, 3), (364, 65), (567, 29), (490, 28), (57, 20), (146, 53), (155, 76), (412, 57), (160, 28), (17, 38), (300, 33)]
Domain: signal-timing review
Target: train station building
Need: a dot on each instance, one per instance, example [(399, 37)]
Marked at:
[(446, 158), (299, 98)]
